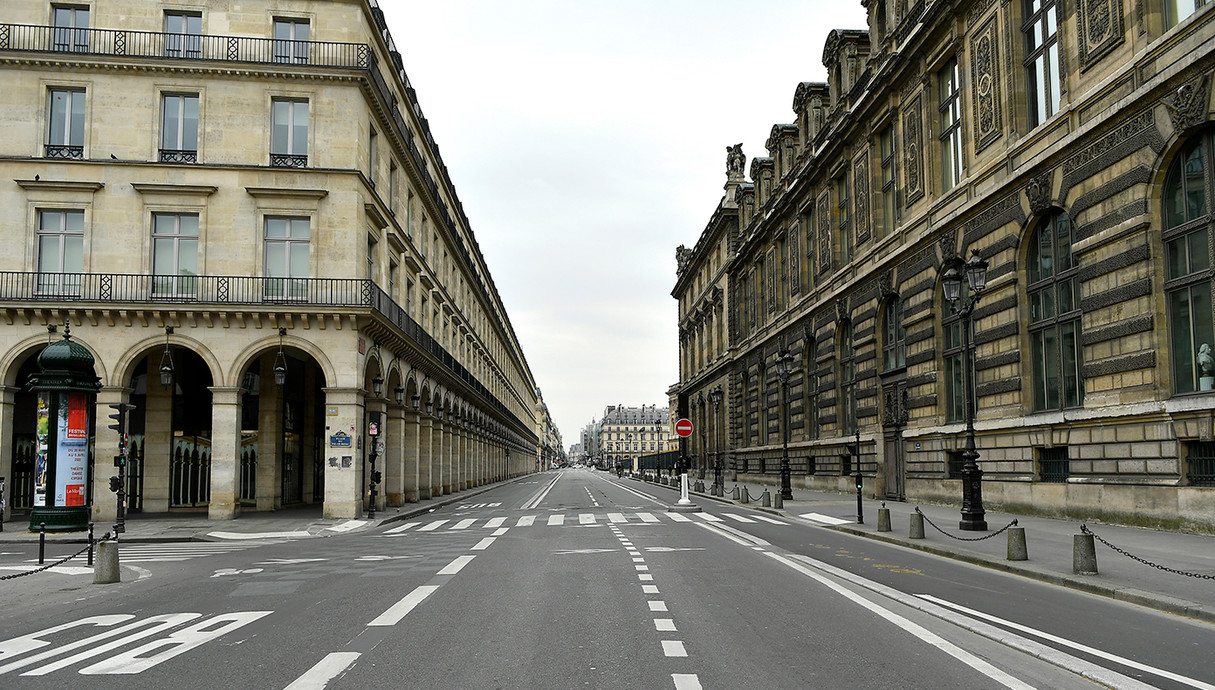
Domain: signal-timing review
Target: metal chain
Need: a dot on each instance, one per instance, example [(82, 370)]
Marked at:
[(954, 536), (1084, 528), (49, 565)]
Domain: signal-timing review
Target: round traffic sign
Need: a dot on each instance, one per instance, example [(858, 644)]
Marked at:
[(684, 428)]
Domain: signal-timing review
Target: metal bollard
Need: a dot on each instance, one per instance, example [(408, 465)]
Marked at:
[(41, 543), (883, 519), (1017, 549), (1084, 555), (746, 495), (917, 526), (778, 501), (90, 543), (736, 495), (765, 499)]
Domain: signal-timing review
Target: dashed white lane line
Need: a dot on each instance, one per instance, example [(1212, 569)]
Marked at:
[(641, 568), (673, 648), (649, 589), (399, 610), (432, 526), (665, 625), (456, 565), (325, 670), (658, 605), (645, 577), (686, 681), (556, 520), (483, 544)]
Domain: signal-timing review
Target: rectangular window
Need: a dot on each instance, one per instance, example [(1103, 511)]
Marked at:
[(409, 298), (392, 280), (1177, 10), (183, 35), (392, 191), (889, 186), (841, 192), (371, 157), (175, 254), (289, 136), (288, 242), (65, 129), (371, 260), (71, 32), (179, 129), (949, 83), (955, 381), (1053, 465), (291, 41), (1043, 81), (60, 251)]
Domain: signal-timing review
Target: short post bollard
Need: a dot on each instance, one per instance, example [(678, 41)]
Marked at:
[(883, 519), (1084, 555), (746, 495), (777, 501), (917, 526), (90, 543), (106, 570), (41, 543), (736, 495), (765, 499), (1017, 548)]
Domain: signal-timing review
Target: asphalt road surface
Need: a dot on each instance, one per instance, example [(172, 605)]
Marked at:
[(577, 579)]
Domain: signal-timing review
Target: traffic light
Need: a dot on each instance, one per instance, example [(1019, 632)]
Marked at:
[(376, 476), (115, 484), (120, 421), (120, 460)]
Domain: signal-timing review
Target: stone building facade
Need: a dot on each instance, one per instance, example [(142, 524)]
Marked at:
[(1070, 146), (626, 433), (245, 199)]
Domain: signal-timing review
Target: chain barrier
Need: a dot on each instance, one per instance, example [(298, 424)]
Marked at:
[(57, 563), (1201, 576), (954, 536)]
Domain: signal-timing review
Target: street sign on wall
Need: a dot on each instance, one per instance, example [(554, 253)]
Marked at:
[(684, 428)]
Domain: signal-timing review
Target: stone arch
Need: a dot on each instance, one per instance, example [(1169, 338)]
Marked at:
[(146, 346), (12, 361)]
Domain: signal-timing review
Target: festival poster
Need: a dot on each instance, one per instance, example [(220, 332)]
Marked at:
[(71, 458), (40, 461)]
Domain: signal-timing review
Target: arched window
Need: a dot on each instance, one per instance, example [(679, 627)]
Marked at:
[(1187, 261), (1054, 316), (894, 336), (846, 377), (810, 388)]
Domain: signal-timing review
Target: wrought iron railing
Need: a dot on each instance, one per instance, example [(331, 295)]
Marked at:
[(288, 160), (1200, 457), (64, 151), (152, 44), (178, 156)]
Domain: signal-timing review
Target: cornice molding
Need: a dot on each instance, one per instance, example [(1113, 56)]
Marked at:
[(60, 185), (175, 189), (287, 193)]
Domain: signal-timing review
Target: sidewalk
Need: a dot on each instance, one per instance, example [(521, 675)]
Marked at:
[(1049, 543)]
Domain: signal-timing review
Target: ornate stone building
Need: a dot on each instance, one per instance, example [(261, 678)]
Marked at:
[(240, 209), (1070, 147), (626, 433)]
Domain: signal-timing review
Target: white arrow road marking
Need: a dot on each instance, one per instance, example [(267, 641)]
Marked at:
[(576, 551)]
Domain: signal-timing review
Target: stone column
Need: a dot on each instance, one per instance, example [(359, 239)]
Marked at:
[(425, 457), (445, 456), (225, 453), (409, 455), (270, 439), (158, 443), (8, 396), (105, 447), (462, 455), (343, 476), (394, 457), (381, 406)]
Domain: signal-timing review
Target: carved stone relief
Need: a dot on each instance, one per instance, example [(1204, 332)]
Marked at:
[(1038, 191), (913, 170), (1188, 105), (1100, 29), (861, 182), (824, 234), (795, 269), (985, 75)]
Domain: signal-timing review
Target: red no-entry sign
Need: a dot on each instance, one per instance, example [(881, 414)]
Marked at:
[(684, 428)]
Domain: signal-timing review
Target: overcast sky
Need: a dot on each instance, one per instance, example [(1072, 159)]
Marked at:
[(587, 140)]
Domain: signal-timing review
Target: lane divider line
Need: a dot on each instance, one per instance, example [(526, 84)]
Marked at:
[(325, 670), (399, 610)]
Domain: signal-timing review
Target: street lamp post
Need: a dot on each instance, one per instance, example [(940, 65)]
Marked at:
[(973, 515), (856, 457), (715, 396), (373, 433), (784, 367)]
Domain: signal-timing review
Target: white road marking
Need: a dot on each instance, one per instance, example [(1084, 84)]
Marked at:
[(258, 535), (739, 518), (641, 568), (399, 610), (665, 625), (673, 648), (616, 517), (914, 628), (456, 565), (495, 523), (178, 642), (325, 670), (526, 521), (464, 524), (402, 528), (556, 520), (536, 498), (825, 519), (649, 589), (648, 517), (679, 517), (432, 526), (1073, 645), (347, 526), (483, 544), (59, 569), (686, 681), (707, 517), (639, 560), (645, 577), (586, 519), (765, 518), (500, 531), (658, 605)]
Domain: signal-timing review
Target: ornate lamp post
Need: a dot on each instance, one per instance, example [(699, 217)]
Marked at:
[(784, 367), (715, 396), (973, 515)]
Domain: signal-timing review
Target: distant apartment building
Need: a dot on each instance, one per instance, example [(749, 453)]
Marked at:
[(626, 433), (1069, 146), (241, 210)]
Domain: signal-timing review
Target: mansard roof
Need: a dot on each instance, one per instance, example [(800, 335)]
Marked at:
[(807, 90), (837, 39)]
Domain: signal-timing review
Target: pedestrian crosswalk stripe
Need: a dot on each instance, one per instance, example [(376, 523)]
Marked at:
[(679, 517), (765, 518), (586, 519), (495, 523), (739, 518), (432, 526), (161, 553), (613, 520), (647, 517), (464, 524), (526, 521), (708, 517), (402, 528), (556, 520), (825, 519), (616, 517)]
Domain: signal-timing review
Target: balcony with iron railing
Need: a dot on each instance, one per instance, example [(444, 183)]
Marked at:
[(35, 289)]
